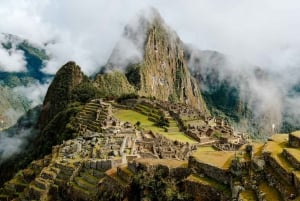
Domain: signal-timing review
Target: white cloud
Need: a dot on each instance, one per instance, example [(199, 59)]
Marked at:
[(35, 92), (261, 32), (12, 60)]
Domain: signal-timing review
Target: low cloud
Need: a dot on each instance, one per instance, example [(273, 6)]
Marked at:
[(15, 139), (11, 60), (35, 92), (260, 33), (11, 145)]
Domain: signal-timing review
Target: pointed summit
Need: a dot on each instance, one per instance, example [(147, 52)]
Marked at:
[(152, 56), (59, 92)]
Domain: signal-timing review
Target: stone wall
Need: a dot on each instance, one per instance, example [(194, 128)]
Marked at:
[(102, 164), (215, 173), (295, 162), (287, 176), (297, 183), (124, 174), (179, 172), (294, 141), (276, 182), (201, 192)]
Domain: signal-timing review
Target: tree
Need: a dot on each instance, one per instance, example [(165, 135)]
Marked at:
[(138, 124), (162, 121)]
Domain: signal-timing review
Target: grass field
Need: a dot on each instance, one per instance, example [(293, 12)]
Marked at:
[(270, 193), (248, 195), (167, 162), (133, 116), (296, 133), (275, 147), (220, 159)]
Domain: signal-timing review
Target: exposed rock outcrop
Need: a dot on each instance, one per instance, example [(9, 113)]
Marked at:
[(164, 72), (159, 68), (113, 84), (59, 92)]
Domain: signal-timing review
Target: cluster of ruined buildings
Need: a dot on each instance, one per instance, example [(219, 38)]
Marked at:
[(105, 143), (213, 131)]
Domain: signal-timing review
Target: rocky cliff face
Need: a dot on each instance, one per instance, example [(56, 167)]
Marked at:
[(113, 84), (60, 91), (162, 70)]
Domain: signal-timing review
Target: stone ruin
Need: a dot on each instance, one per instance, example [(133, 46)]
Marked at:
[(104, 144)]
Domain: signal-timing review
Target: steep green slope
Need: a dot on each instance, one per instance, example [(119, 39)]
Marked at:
[(113, 84), (59, 93), (16, 144)]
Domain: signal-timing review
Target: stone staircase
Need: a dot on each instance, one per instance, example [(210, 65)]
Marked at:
[(87, 117), (65, 172), (283, 169), (39, 189), (145, 109), (12, 189), (85, 185), (20, 183)]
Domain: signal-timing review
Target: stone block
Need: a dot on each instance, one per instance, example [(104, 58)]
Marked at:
[(93, 164)]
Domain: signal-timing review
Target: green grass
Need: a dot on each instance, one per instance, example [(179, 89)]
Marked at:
[(220, 159), (275, 148), (248, 195), (165, 162), (133, 116), (206, 148), (270, 193), (296, 133)]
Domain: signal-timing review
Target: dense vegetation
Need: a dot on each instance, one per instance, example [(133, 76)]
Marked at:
[(24, 125), (133, 75), (85, 92)]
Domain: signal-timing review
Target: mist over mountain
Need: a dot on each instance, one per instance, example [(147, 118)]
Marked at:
[(23, 83), (156, 117), (245, 91)]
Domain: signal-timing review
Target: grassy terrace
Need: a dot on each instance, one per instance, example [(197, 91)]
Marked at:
[(296, 133), (280, 138), (248, 195), (257, 148), (133, 116), (209, 182), (294, 152), (112, 173), (220, 159), (165, 162), (275, 147), (271, 194), (297, 174)]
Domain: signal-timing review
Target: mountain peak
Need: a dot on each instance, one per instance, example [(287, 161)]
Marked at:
[(130, 48), (60, 91), (152, 56)]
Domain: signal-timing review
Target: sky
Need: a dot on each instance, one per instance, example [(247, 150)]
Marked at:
[(262, 32)]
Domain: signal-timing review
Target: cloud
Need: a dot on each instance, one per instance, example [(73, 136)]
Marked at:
[(15, 139), (11, 60), (260, 33), (34, 92), (10, 145)]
